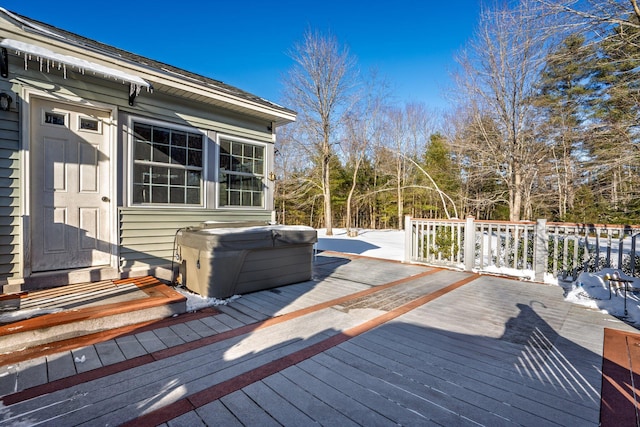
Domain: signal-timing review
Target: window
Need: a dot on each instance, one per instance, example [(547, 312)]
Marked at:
[(56, 119), (241, 174), (167, 165)]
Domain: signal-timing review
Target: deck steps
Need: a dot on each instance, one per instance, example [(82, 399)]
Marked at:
[(72, 311)]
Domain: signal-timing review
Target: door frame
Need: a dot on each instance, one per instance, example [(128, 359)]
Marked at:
[(26, 169)]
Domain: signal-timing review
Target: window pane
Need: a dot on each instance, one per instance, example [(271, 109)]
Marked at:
[(236, 149), (142, 150), (160, 153), (193, 178), (224, 162), (258, 167), (236, 166), (193, 196), (225, 147), (141, 174), (257, 199), (234, 198), (161, 135), (160, 175), (141, 131), (246, 199), (159, 194), (179, 156), (223, 201), (257, 184), (177, 195), (195, 141), (179, 139), (195, 158), (176, 177), (140, 193)]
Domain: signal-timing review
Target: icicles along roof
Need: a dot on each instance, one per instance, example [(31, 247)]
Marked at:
[(50, 31)]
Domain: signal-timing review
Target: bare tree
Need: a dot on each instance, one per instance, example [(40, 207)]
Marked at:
[(363, 125), (319, 87), (296, 182), (499, 69), (597, 12)]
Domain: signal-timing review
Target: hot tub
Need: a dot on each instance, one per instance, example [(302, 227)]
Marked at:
[(220, 261)]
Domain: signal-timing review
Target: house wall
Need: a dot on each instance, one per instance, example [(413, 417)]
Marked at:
[(145, 235), (10, 236)]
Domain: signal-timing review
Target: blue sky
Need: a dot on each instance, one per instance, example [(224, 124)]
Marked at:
[(245, 43)]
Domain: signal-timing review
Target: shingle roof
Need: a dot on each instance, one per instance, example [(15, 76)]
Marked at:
[(48, 30)]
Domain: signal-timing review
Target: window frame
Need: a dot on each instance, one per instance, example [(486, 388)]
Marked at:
[(220, 173), (131, 162)]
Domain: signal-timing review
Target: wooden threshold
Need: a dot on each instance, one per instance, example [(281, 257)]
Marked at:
[(151, 301)]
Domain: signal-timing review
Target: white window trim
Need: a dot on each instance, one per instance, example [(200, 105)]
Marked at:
[(265, 191), (130, 161)]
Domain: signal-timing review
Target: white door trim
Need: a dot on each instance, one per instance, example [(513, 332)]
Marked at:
[(25, 173)]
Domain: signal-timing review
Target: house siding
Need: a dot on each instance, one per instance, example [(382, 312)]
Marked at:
[(10, 236), (147, 235), (144, 235)]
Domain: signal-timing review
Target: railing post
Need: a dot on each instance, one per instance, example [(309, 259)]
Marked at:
[(408, 238), (469, 244), (541, 250), (632, 260)]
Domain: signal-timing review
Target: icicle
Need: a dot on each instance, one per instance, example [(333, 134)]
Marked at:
[(48, 62), (26, 63), (64, 68), (40, 60)]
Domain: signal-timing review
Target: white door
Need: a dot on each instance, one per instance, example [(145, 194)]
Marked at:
[(70, 198)]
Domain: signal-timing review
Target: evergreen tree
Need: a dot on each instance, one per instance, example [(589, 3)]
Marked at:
[(614, 146), (562, 103)]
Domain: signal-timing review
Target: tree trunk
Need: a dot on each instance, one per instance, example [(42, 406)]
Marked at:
[(326, 190), (516, 196)]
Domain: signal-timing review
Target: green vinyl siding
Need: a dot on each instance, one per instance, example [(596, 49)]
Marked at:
[(147, 235), (10, 248), (155, 106)]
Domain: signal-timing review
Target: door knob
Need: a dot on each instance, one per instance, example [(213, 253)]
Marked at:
[(105, 199)]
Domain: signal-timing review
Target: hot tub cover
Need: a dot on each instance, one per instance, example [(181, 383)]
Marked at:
[(244, 238)]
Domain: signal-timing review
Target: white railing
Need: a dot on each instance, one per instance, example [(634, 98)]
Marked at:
[(525, 249)]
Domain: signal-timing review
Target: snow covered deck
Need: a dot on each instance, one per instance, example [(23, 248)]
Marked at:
[(365, 342)]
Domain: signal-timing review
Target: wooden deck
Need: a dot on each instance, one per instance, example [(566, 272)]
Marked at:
[(366, 342)]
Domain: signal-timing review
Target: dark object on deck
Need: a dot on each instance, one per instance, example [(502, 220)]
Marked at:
[(221, 262)]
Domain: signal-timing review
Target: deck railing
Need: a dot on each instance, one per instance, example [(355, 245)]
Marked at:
[(533, 250)]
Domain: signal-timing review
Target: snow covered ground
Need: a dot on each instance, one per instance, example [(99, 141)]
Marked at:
[(589, 289)]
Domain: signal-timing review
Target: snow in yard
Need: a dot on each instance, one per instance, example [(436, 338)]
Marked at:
[(385, 244), (590, 289)]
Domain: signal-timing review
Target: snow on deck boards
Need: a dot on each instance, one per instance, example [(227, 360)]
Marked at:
[(490, 352)]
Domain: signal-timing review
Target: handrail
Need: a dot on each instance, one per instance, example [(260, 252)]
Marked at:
[(527, 249)]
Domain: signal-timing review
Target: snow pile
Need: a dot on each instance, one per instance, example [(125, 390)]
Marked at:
[(17, 315), (198, 302), (597, 291)]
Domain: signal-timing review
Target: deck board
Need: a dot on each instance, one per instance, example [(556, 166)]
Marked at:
[(490, 351)]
